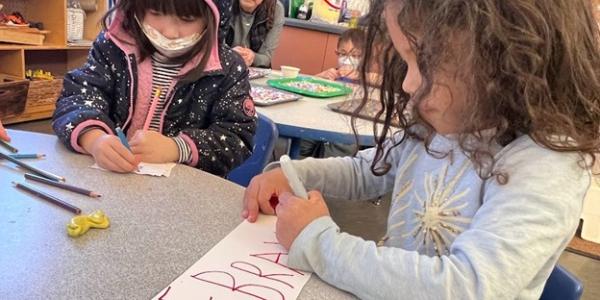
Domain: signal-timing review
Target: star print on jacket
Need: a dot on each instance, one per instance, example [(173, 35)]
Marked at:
[(201, 107)]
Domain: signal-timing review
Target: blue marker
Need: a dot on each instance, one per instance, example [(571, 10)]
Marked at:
[(123, 138)]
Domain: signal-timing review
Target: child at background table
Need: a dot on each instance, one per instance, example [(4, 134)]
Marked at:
[(350, 53), (350, 46)]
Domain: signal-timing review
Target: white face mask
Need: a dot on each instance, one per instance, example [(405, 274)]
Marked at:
[(348, 61), (170, 48)]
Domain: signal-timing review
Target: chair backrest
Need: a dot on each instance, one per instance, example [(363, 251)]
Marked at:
[(264, 142), (562, 285)]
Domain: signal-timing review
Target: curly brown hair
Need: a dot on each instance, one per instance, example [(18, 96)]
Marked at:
[(533, 67)]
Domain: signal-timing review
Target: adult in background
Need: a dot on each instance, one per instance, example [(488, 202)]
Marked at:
[(255, 29)]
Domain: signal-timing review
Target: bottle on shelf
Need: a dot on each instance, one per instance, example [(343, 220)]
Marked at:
[(295, 6), (75, 21)]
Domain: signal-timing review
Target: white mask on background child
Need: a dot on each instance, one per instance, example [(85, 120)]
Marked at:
[(348, 61), (170, 48)]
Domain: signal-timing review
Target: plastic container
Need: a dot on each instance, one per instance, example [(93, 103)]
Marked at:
[(311, 87), (289, 71)]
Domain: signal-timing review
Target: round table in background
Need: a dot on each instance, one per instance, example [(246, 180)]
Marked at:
[(311, 119)]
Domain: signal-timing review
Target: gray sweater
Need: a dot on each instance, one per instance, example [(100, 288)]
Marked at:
[(241, 26), (450, 235)]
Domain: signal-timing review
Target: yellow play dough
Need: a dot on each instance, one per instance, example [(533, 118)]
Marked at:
[(81, 224)]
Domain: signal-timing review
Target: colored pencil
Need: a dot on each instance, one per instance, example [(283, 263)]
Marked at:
[(8, 146), (27, 156), (61, 185), (49, 198), (123, 138), (153, 104), (32, 168)]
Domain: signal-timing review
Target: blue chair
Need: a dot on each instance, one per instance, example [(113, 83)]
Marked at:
[(264, 142), (562, 285)]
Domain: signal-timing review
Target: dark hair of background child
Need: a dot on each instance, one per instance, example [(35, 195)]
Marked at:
[(181, 8)]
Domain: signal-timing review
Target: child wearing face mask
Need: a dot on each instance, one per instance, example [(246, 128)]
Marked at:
[(158, 73), (349, 52)]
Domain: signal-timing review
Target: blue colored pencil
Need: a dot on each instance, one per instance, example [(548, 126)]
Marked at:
[(27, 156), (123, 138), (32, 168)]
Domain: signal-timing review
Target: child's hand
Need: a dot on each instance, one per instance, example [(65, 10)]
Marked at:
[(247, 54), (241, 51), (331, 74), (249, 58), (348, 72), (108, 151), (3, 135), (154, 147), (259, 192), (294, 214)]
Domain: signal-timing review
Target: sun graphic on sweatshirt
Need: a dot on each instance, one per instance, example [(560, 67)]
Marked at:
[(437, 216)]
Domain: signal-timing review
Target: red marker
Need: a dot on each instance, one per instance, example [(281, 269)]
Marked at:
[(274, 201)]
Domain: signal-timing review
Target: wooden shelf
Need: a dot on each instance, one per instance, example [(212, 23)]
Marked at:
[(31, 114), (55, 55), (43, 47)]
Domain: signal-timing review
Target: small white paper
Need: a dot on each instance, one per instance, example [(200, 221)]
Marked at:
[(149, 169), (248, 263)]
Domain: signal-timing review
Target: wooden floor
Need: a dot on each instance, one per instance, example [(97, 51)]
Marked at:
[(368, 220)]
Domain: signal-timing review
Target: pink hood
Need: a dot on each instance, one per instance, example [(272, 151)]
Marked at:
[(141, 109), (127, 43)]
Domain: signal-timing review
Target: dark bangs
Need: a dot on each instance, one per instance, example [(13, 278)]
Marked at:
[(181, 8)]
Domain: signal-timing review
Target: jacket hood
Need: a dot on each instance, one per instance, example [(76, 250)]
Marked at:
[(127, 43)]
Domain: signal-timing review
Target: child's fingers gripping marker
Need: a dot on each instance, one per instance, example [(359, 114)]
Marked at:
[(292, 177), (274, 201)]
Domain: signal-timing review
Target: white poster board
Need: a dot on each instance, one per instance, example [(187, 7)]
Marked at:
[(248, 263)]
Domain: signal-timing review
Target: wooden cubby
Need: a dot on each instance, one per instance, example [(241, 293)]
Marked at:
[(55, 55)]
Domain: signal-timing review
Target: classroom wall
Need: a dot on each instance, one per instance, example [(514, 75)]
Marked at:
[(310, 50)]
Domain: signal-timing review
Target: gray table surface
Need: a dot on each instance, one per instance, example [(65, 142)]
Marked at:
[(159, 228)]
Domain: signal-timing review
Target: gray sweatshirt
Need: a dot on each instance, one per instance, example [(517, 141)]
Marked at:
[(450, 235), (242, 24)]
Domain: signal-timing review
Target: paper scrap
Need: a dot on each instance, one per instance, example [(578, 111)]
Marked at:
[(248, 263), (158, 170)]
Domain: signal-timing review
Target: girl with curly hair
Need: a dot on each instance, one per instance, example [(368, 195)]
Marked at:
[(489, 170)]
